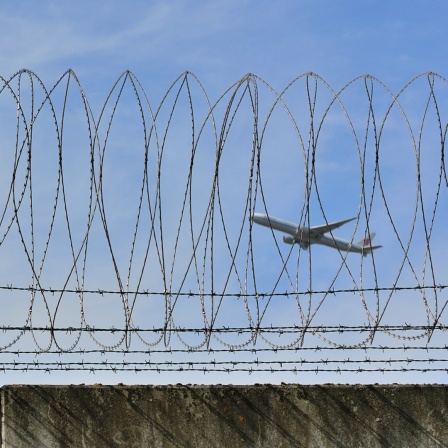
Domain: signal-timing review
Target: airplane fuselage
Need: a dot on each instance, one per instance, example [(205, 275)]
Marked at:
[(337, 243)]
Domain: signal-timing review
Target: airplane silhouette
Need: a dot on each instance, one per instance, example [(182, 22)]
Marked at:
[(305, 236)]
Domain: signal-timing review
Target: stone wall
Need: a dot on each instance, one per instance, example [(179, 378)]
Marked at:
[(268, 416)]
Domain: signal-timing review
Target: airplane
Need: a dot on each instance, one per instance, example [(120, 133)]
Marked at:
[(305, 236)]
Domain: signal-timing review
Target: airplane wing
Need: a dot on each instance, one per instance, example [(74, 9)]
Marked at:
[(324, 228)]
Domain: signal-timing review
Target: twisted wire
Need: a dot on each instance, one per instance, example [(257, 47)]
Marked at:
[(131, 227)]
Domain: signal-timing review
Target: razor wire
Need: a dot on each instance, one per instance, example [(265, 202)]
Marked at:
[(128, 230)]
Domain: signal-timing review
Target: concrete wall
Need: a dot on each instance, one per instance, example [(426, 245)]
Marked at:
[(224, 416)]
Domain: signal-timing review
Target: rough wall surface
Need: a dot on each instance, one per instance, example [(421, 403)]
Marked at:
[(224, 416)]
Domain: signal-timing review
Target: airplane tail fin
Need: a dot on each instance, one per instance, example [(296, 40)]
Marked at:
[(366, 244)]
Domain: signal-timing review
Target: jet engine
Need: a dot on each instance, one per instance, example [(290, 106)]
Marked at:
[(289, 240)]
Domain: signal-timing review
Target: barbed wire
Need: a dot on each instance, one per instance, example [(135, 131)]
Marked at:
[(146, 292), (131, 227)]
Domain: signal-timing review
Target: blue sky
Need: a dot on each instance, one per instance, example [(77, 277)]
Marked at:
[(220, 42)]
